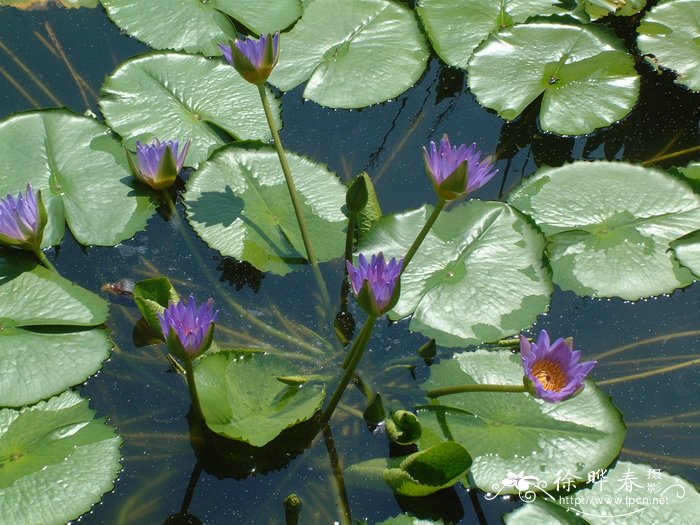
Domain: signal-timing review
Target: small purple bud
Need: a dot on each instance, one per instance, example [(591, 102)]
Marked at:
[(188, 329), (159, 163), (376, 283), (253, 58), (22, 220)]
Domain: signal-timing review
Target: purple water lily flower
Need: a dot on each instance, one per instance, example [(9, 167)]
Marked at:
[(553, 372), (456, 170), (22, 220), (253, 58), (159, 163), (375, 283), (188, 329)]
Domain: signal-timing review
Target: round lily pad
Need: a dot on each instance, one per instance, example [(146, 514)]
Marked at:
[(457, 27), (478, 276), (609, 225), (197, 26), (687, 250), (353, 54), (173, 96), (670, 33), (56, 459), (44, 347), (62, 154), (242, 398), (511, 433), (586, 78), (238, 202)]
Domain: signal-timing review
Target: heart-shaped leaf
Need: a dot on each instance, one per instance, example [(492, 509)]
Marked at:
[(353, 54), (586, 78), (507, 433), (56, 459), (82, 173), (478, 276), (238, 202), (609, 225), (173, 96)]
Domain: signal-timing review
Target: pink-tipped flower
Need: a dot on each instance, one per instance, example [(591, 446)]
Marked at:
[(375, 283), (553, 372), (187, 329), (22, 220), (253, 58), (456, 170), (159, 163)]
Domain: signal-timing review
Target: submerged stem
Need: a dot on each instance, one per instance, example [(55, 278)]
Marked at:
[(356, 351), (424, 231), (459, 389)]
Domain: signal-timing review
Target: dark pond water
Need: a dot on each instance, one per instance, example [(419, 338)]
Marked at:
[(147, 403)]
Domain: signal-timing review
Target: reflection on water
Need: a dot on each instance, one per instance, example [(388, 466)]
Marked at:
[(647, 350)]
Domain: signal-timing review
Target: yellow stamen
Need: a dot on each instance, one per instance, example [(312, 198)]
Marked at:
[(550, 374)]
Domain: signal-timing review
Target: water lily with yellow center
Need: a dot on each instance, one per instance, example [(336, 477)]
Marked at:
[(553, 372)]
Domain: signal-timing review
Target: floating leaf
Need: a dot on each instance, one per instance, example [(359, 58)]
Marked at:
[(586, 77), (173, 96), (609, 225), (542, 513), (56, 460), (600, 8), (516, 432), (197, 26), (687, 250), (353, 54), (457, 27), (407, 519), (670, 32), (238, 202), (243, 400), (44, 348), (478, 276), (628, 494), (62, 154), (418, 474)]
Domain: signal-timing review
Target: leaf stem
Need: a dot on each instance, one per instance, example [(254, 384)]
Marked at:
[(192, 387), (422, 234), (45, 260), (459, 389), (356, 354)]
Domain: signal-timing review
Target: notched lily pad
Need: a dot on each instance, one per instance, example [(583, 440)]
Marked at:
[(586, 78), (56, 461), (238, 202), (62, 154), (47, 342), (243, 400), (478, 276), (511, 433), (353, 54), (609, 226)]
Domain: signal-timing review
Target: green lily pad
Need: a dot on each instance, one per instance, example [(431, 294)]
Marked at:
[(542, 513), (511, 433), (586, 78), (238, 202), (176, 96), (478, 276), (457, 27), (628, 494), (353, 54), (600, 8), (242, 399), (407, 519), (44, 346), (60, 153), (609, 225), (56, 460), (197, 26), (670, 32), (418, 474), (687, 250)]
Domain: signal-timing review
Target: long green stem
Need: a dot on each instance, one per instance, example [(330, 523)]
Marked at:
[(459, 389), (45, 260), (357, 351), (194, 395), (424, 231), (294, 195)]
